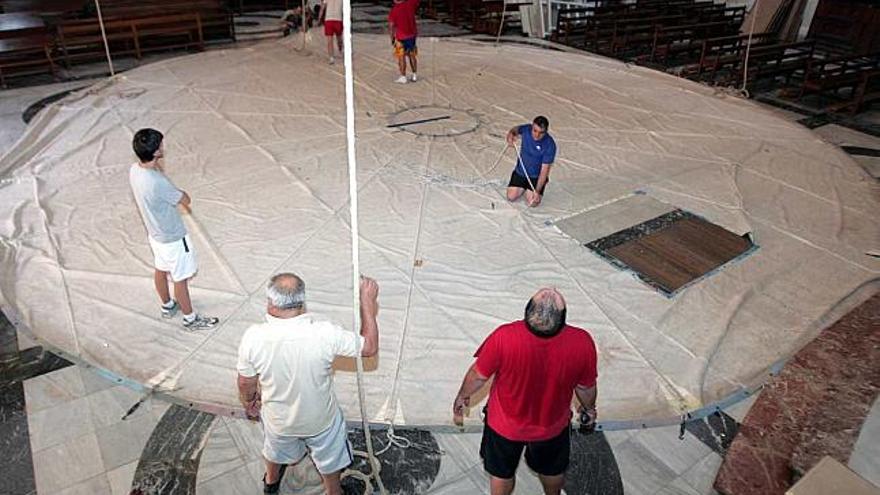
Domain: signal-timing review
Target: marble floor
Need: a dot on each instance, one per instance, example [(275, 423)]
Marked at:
[(84, 434)]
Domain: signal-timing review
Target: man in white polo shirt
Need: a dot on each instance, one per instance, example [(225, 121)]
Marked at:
[(285, 378)]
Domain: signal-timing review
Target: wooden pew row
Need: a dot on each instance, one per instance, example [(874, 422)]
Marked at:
[(684, 43), (81, 40), (636, 39), (28, 53), (853, 72), (766, 58), (58, 7), (719, 52), (217, 20), (782, 60), (615, 32), (571, 22)]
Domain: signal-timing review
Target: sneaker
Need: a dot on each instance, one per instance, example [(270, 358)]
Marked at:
[(414, 77), (401, 80), (332, 60), (273, 487), (170, 312), (200, 322)]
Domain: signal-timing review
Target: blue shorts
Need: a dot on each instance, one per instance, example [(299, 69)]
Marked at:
[(405, 47)]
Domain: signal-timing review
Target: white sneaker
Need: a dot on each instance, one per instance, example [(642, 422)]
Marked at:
[(332, 60), (170, 312), (200, 322), (401, 80), (414, 77)]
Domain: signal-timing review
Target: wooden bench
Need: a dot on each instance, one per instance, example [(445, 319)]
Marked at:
[(633, 30), (631, 33), (674, 43), (600, 29), (169, 32), (774, 61), (868, 90), (498, 11), (26, 54), (723, 52), (41, 6), (835, 74), (81, 40), (263, 5), (217, 20), (572, 22)]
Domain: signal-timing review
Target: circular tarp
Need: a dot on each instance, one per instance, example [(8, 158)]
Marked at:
[(256, 137)]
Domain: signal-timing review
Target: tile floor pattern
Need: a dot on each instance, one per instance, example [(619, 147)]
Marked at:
[(81, 445)]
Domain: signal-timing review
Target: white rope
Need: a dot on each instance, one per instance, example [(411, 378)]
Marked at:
[(501, 24), (522, 165), (305, 27), (104, 37), (749, 48), (355, 238), (498, 160)]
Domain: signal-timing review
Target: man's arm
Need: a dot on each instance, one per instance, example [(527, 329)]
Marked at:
[(369, 293), (512, 134), (472, 382), (184, 200), (249, 395), (587, 397), (321, 12)]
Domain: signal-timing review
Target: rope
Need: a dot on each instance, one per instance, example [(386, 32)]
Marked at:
[(749, 47), (304, 27), (304, 30), (501, 24), (355, 236), (519, 161), (498, 160), (104, 37)]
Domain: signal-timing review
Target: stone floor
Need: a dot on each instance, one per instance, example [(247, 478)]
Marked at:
[(815, 407), (70, 436)]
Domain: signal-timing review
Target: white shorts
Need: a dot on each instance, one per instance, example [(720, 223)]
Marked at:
[(330, 449), (177, 258)]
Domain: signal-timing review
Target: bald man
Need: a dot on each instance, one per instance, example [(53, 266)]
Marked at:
[(537, 362)]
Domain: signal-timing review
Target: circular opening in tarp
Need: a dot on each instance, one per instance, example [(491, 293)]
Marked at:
[(434, 121)]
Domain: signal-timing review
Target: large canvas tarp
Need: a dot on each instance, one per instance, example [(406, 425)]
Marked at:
[(256, 136)]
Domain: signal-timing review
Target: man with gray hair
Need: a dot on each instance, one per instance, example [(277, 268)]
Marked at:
[(285, 379), (537, 363)]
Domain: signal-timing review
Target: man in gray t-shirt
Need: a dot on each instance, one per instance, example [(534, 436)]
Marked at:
[(158, 199)]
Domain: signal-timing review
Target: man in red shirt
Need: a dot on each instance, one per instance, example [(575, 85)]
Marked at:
[(403, 29), (537, 363)]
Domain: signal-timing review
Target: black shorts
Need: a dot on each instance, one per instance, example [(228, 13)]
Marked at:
[(521, 182), (547, 457)]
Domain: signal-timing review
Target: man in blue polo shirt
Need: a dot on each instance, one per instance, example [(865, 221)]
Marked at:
[(538, 150)]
